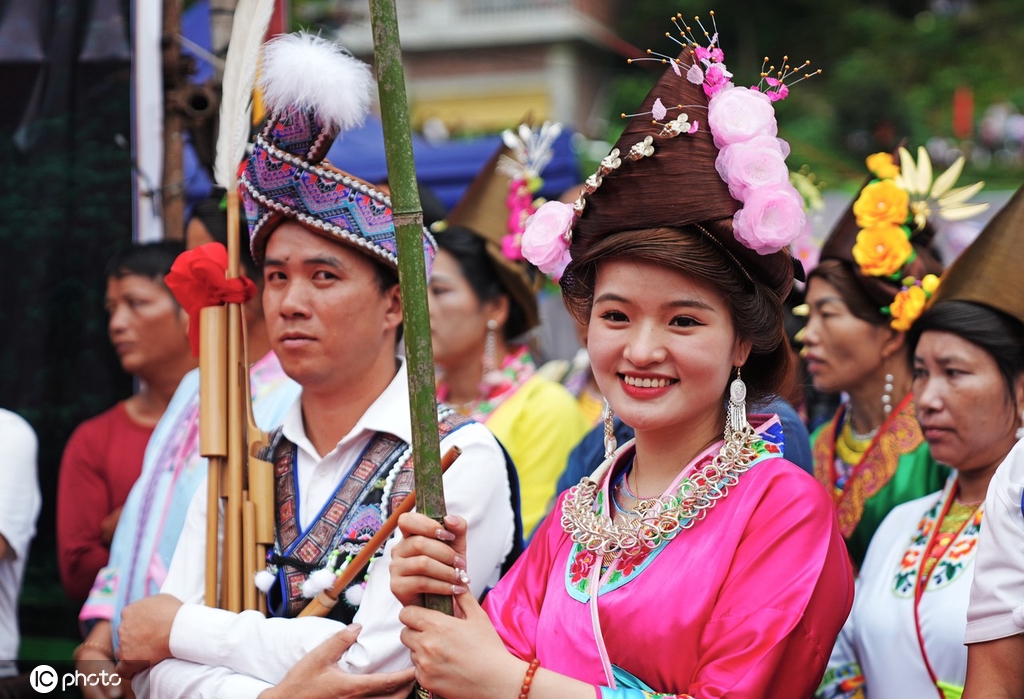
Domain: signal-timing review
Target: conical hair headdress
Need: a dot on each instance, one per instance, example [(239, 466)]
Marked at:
[(313, 90), (701, 151)]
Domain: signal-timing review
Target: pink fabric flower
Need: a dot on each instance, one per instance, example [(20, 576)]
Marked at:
[(780, 92), (806, 249), (545, 241), (658, 111), (511, 246), (771, 218), (695, 75), (739, 114), (716, 79), (758, 162), (707, 55)]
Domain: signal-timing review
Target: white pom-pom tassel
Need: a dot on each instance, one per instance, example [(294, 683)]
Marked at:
[(314, 73), (1018, 615), (317, 582), (354, 595), (264, 581)]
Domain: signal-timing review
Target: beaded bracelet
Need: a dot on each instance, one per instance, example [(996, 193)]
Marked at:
[(528, 680), (95, 645)]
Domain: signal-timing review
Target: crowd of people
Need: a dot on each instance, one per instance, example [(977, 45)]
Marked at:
[(687, 539)]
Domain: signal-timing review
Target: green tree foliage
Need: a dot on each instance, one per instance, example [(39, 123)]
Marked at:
[(890, 68)]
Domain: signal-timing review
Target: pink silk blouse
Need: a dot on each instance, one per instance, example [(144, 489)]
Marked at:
[(747, 603)]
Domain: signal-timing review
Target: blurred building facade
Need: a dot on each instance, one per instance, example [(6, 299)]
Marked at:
[(481, 65)]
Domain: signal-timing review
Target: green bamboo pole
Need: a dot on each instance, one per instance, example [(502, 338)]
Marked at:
[(412, 273)]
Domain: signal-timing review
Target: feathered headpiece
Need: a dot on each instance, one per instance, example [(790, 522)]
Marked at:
[(313, 90), (252, 17)]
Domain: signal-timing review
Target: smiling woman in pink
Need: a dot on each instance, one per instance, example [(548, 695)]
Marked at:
[(696, 562)]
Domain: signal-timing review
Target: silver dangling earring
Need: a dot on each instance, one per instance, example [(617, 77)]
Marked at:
[(491, 377), (736, 425), (610, 443), (887, 396)]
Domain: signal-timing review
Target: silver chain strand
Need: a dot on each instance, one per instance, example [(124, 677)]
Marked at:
[(658, 520)]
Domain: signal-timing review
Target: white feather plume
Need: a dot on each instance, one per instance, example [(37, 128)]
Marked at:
[(252, 17), (314, 73)]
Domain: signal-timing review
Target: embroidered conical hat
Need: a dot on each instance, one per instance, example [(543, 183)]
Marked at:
[(989, 270)]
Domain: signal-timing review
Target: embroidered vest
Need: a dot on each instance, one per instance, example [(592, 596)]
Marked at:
[(898, 435), (375, 486)]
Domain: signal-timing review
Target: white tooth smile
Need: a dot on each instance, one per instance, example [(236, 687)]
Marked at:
[(646, 383)]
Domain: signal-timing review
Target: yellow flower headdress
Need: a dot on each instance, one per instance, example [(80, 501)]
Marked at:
[(892, 209)]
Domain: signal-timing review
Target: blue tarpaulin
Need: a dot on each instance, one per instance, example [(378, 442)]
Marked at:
[(447, 168)]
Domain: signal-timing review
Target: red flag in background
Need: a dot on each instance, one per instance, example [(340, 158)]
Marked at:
[(963, 112)]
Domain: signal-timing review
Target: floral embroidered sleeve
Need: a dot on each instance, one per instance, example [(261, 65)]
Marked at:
[(842, 682), (100, 604)]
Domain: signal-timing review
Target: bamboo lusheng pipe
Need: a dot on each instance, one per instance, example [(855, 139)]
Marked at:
[(213, 361), (322, 604), (248, 28), (213, 364), (248, 548), (232, 489), (412, 272), (260, 503)]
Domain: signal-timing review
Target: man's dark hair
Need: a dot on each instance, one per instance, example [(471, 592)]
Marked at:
[(386, 278), (150, 260), (999, 334)]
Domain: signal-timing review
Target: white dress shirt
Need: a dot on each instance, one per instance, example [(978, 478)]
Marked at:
[(997, 597), (19, 508), (223, 654)]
